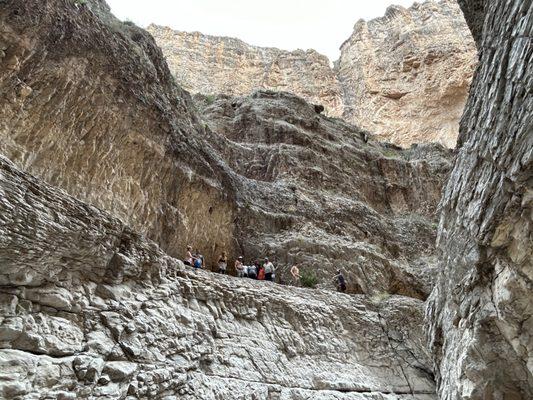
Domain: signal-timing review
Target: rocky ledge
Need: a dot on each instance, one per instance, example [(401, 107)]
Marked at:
[(91, 309)]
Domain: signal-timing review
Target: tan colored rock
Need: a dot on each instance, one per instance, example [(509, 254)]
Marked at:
[(102, 106), (405, 77), (173, 333), (480, 313), (213, 65)]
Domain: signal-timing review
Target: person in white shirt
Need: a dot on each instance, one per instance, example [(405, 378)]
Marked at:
[(269, 270), (239, 267), (295, 272)]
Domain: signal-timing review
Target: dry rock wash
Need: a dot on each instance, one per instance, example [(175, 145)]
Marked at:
[(108, 169)]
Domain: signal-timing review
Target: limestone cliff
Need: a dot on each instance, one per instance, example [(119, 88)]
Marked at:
[(89, 104), (214, 65), (89, 309), (404, 77), (480, 315), (319, 191), (307, 188)]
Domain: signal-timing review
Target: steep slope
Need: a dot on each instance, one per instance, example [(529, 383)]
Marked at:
[(480, 315), (406, 76), (90, 106), (92, 310), (212, 65), (318, 191)]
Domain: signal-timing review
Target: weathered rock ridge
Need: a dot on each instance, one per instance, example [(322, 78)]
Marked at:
[(480, 314), (221, 65), (263, 174), (88, 104), (316, 190), (404, 77), (92, 310)]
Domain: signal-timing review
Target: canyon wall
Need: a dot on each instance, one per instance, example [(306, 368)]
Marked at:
[(317, 191), (404, 77), (90, 309), (108, 153), (96, 112), (89, 104), (480, 314), (221, 65)]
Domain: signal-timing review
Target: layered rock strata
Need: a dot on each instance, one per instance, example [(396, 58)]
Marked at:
[(88, 104), (480, 315), (212, 65), (323, 193), (96, 113), (404, 77), (91, 309)]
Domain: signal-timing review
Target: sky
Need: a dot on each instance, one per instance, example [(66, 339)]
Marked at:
[(287, 24)]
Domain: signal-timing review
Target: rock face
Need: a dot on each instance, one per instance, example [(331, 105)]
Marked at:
[(258, 175), (404, 77), (480, 314), (89, 104), (213, 65), (92, 310), (318, 191)]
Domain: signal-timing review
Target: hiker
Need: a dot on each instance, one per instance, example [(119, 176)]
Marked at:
[(252, 272), (261, 273), (222, 263), (269, 270), (295, 272), (188, 257), (201, 257), (340, 281), (198, 260), (239, 267)]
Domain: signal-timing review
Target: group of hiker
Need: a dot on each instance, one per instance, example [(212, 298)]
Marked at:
[(255, 269)]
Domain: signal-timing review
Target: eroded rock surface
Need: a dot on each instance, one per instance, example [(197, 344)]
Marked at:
[(92, 310), (89, 104), (321, 192), (96, 112), (404, 77), (213, 65), (480, 314)]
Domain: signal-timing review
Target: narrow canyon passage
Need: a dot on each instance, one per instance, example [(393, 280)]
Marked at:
[(109, 169)]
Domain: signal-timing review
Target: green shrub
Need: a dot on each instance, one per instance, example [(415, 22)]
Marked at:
[(380, 297), (210, 99), (390, 153), (308, 279)]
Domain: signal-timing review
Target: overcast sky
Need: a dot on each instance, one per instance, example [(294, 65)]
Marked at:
[(287, 24)]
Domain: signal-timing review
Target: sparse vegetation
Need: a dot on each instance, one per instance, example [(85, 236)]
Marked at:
[(390, 153), (308, 279), (380, 297), (129, 23), (210, 99)]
